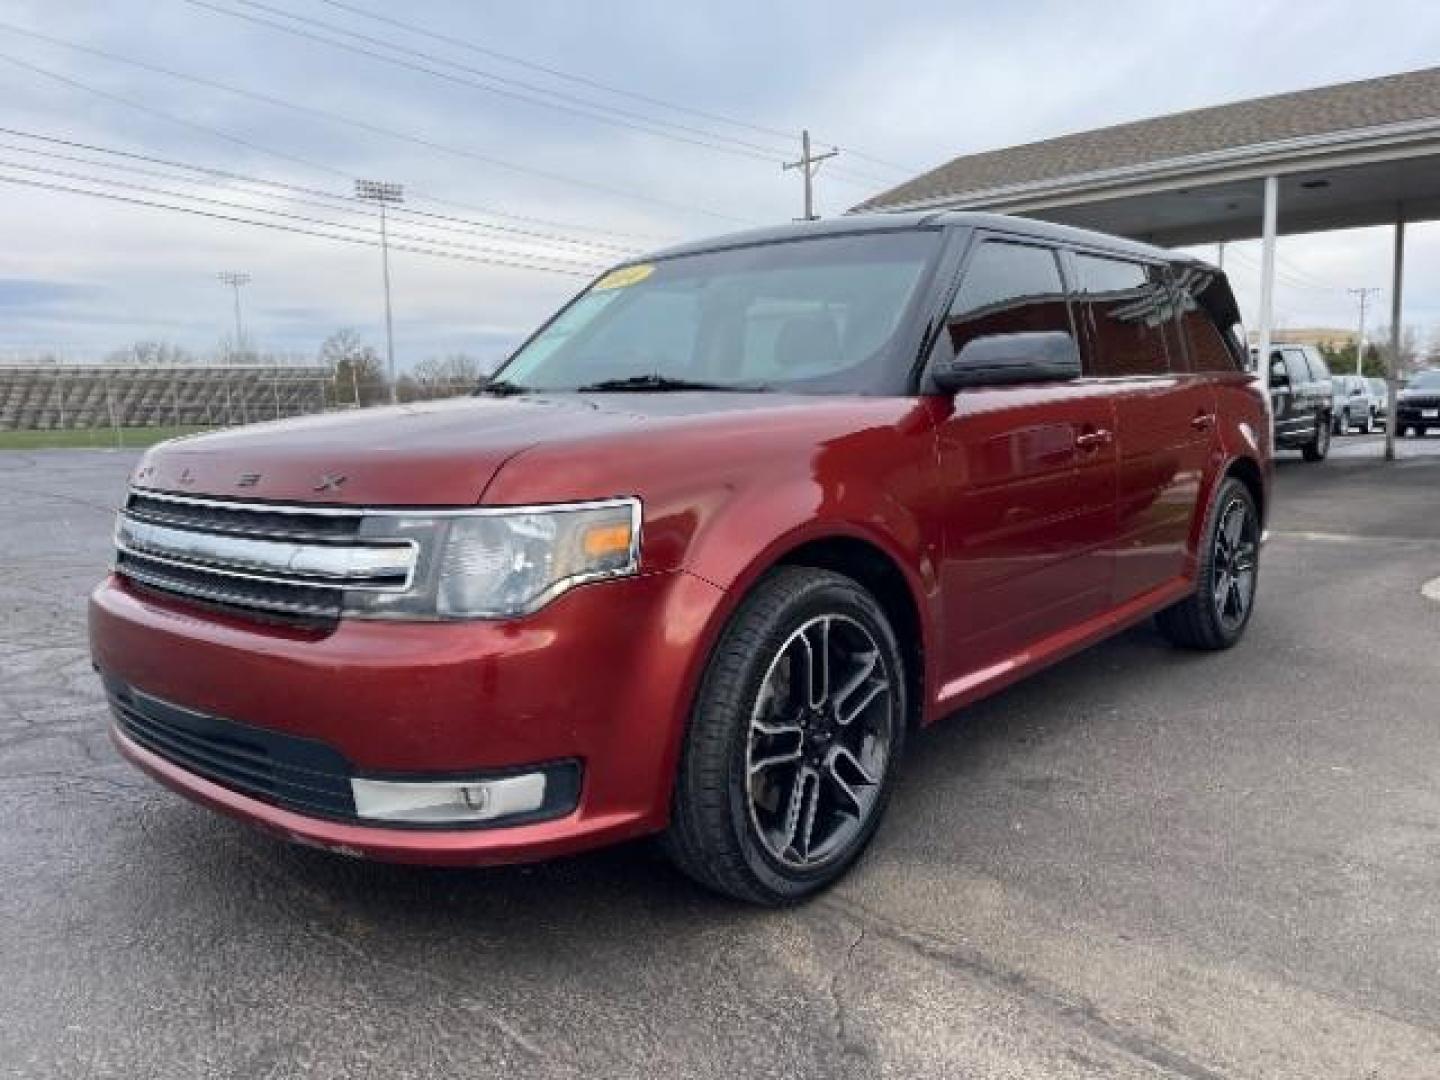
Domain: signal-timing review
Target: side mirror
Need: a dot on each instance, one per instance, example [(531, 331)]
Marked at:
[(1278, 374), (1007, 359)]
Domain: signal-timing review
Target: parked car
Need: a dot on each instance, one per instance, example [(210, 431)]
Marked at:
[(1302, 400), (1353, 404), (1417, 406), (1380, 390), (700, 556)]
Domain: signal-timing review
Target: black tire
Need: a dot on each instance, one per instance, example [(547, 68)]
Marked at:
[(1341, 423), (1319, 446), (716, 835), (1200, 621), (1369, 426)]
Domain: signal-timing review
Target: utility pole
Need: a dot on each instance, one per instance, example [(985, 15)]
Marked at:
[(1364, 297), (809, 165), (384, 194), (235, 279)]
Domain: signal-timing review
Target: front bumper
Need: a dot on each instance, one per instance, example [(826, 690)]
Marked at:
[(602, 677), (1406, 413)]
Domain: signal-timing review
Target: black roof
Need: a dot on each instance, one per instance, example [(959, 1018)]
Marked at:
[(896, 222)]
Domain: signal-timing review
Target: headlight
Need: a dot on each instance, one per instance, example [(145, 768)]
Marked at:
[(502, 562)]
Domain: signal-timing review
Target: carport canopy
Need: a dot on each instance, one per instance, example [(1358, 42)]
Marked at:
[(1336, 157)]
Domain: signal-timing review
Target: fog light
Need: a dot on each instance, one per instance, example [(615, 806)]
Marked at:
[(458, 801)]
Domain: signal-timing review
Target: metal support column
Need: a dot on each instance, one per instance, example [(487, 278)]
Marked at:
[(1397, 293), (1267, 280)]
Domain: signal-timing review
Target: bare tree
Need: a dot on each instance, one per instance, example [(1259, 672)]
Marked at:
[(1410, 351), (446, 376), (359, 374)]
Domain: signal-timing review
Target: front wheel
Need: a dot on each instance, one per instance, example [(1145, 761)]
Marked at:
[(1369, 425), (1319, 446), (1216, 614), (793, 741)]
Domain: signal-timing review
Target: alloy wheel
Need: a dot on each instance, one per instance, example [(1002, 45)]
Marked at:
[(1234, 564), (819, 741)]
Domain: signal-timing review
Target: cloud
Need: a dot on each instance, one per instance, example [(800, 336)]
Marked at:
[(915, 85)]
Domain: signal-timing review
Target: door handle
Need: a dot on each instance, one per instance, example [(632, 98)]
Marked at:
[(1093, 439), (1203, 421)]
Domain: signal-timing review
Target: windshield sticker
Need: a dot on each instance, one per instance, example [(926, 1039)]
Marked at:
[(625, 276)]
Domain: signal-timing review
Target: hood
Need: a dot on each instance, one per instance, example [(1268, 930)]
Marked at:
[(442, 453)]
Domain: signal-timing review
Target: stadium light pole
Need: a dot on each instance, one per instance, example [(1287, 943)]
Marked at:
[(235, 279), (384, 194)]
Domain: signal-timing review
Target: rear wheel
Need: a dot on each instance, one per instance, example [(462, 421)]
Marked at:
[(789, 760), (1216, 614), (1369, 425), (1319, 446)]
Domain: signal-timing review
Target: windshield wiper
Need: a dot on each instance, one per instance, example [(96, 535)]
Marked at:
[(502, 388), (661, 383)]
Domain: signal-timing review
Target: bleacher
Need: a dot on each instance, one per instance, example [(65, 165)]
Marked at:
[(50, 396)]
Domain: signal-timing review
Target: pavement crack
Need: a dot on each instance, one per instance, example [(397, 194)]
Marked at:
[(1077, 1012), (840, 1014)]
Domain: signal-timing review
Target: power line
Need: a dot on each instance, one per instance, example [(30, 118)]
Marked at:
[(451, 223), (329, 116), (1281, 275), (277, 226), (596, 84), (526, 92), (555, 72), (1305, 275), (148, 190)]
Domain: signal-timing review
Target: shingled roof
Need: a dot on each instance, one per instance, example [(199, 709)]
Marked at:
[(1351, 106)]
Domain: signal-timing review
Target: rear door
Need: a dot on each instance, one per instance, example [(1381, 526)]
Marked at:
[(1165, 413), (1029, 471)]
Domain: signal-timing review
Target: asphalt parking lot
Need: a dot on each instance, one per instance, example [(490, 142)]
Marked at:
[(1141, 863)]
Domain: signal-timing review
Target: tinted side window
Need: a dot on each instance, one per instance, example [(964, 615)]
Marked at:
[(1126, 306), (1210, 344), (1008, 289)]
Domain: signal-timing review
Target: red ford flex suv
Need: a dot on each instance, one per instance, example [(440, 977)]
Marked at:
[(700, 556)]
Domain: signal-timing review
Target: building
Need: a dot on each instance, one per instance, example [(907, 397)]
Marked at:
[(1321, 337)]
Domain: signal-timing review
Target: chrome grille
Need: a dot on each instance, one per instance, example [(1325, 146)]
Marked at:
[(292, 562)]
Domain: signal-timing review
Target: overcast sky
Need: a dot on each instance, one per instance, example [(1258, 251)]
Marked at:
[(907, 85)]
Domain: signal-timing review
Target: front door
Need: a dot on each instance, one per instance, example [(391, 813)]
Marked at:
[(1030, 480), (1293, 396)]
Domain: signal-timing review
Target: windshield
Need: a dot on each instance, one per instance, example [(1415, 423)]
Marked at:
[(1426, 380), (809, 316)]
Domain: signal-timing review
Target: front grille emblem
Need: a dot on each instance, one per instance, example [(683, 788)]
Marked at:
[(330, 482), (249, 479), (187, 477)]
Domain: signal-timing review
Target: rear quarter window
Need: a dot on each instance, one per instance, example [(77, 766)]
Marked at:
[(1209, 345)]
